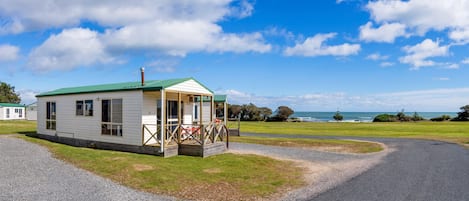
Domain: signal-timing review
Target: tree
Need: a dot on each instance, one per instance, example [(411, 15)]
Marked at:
[(8, 94), (265, 113), (417, 117), (282, 114), (463, 115), (234, 111), (337, 116)]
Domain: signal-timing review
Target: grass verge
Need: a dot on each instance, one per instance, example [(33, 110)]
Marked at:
[(17, 127), (341, 146), (457, 132), (221, 177)]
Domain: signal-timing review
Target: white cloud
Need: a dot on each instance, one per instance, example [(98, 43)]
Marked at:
[(418, 55), (314, 46), (8, 52), (163, 65), (465, 61), (421, 15), (387, 32), (166, 27), (386, 64), (69, 49), (244, 9), (452, 66), (377, 56), (28, 96), (442, 79), (443, 100), (34, 15), (460, 35)]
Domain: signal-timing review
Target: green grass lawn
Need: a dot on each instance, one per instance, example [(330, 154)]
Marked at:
[(17, 127), (237, 177), (448, 131), (342, 146)]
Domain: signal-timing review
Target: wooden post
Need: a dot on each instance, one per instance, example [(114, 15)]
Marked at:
[(200, 109), (202, 130), (179, 118), (163, 119), (212, 105), (225, 113)]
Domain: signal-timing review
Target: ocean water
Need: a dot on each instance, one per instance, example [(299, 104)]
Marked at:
[(360, 116)]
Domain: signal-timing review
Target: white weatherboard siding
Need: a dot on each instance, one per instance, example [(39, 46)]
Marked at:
[(13, 115), (205, 112), (149, 114), (89, 127), (190, 86)]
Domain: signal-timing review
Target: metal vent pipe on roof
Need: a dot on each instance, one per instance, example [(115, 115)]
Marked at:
[(142, 74)]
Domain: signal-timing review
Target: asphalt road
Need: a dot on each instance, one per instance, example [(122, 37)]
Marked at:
[(418, 170)]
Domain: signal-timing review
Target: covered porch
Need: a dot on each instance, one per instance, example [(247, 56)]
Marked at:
[(184, 122)]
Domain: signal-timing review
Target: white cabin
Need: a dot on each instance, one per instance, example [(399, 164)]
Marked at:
[(31, 112), (12, 111), (157, 113)]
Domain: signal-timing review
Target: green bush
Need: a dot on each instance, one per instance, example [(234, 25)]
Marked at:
[(386, 118), (441, 118)]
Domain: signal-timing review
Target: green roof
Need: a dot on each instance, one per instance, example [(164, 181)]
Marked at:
[(126, 86), (11, 105), (216, 98)]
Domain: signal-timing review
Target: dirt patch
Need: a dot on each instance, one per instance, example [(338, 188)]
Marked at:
[(212, 170), (142, 167)]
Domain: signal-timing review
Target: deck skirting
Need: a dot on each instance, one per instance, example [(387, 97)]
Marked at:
[(171, 150)]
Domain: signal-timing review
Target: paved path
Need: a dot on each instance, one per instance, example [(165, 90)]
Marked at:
[(28, 172), (418, 170)]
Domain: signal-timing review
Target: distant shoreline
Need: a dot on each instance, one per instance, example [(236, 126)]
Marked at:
[(359, 116)]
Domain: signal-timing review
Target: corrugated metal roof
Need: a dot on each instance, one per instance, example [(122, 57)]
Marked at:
[(149, 85), (11, 105)]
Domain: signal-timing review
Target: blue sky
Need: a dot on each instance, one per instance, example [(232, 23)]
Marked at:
[(323, 55)]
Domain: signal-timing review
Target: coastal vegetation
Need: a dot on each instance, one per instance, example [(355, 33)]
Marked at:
[(250, 112), (337, 116)]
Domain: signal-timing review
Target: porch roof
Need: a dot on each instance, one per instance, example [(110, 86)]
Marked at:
[(218, 98), (125, 86)]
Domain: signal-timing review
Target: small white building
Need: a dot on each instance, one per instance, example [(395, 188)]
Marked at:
[(31, 112), (155, 117), (12, 111)]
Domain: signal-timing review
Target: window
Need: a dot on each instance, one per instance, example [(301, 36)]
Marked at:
[(20, 111), (196, 112), (8, 113), (51, 115), (84, 108), (111, 117), (172, 109)]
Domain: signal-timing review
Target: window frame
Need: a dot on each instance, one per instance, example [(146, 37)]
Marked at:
[(51, 115), (111, 125), (84, 109)]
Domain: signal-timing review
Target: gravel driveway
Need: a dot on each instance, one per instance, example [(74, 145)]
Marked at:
[(29, 172), (325, 170)]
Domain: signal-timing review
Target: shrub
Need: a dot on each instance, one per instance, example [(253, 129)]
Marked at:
[(441, 118), (386, 118)]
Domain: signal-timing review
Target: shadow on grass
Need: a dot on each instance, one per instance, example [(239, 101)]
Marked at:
[(28, 133)]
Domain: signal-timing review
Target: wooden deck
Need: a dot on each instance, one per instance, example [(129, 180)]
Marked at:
[(204, 141)]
